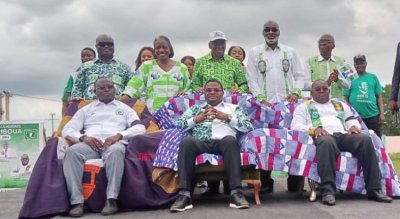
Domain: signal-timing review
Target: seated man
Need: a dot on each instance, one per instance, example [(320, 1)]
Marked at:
[(335, 130), (214, 131), (107, 124)]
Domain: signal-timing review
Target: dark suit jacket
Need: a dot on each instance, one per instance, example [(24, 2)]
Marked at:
[(396, 76)]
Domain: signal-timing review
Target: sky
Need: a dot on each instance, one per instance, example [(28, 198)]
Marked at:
[(42, 39)]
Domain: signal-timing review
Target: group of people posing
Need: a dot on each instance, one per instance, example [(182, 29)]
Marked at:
[(274, 73)]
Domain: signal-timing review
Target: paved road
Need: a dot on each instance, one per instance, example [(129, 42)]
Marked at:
[(280, 204)]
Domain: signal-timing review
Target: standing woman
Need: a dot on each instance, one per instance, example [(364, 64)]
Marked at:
[(189, 61), (238, 53), (161, 78), (146, 53)]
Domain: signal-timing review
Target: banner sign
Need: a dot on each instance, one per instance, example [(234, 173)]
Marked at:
[(20, 145)]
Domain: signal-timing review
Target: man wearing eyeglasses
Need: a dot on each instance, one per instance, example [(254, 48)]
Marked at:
[(275, 75), (214, 126), (326, 66), (106, 66), (335, 129), (107, 126)]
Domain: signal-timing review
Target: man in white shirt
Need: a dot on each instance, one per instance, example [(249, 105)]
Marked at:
[(107, 125), (214, 127), (275, 70), (23, 169), (275, 74), (336, 129), (7, 152)]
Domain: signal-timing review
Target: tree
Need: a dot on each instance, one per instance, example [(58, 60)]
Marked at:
[(390, 127)]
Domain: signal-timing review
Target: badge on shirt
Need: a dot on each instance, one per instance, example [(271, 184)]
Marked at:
[(119, 112), (338, 106), (262, 66), (285, 65), (178, 76), (155, 75)]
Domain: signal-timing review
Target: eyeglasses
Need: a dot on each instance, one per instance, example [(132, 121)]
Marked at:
[(102, 88), (216, 90), (270, 29), (104, 44), (319, 89)]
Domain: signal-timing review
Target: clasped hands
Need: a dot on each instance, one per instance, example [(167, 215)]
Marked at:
[(210, 113), (97, 145)]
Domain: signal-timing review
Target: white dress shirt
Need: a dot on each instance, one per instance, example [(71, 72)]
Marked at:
[(102, 120), (273, 86), (328, 115)]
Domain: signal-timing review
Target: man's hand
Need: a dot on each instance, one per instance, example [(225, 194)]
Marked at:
[(292, 98), (201, 90), (333, 77), (353, 130), (93, 142), (111, 140), (180, 93), (319, 131), (233, 91), (393, 106), (381, 119), (266, 103), (221, 116)]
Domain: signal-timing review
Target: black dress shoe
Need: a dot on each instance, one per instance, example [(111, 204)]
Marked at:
[(238, 201), (182, 203), (267, 186), (328, 199), (110, 207), (377, 195), (76, 210)]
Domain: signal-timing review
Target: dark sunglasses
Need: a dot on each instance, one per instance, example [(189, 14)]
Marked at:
[(104, 44), (270, 29), (216, 90)]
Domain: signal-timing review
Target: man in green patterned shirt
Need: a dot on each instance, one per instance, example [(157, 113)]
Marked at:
[(214, 127), (220, 66), (326, 66), (104, 66)]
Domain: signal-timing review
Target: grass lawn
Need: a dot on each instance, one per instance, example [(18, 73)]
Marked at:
[(396, 161)]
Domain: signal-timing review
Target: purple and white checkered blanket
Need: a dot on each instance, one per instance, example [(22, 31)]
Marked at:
[(271, 146)]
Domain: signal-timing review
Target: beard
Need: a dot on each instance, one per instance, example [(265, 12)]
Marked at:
[(271, 41)]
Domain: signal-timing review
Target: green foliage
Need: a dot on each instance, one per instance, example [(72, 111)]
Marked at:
[(390, 128), (396, 161)]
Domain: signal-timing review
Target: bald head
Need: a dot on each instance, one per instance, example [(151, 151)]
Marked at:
[(271, 33), (326, 44), (104, 89), (104, 38)]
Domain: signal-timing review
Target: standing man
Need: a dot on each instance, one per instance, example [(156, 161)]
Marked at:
[(275, 70), (7, 152), (275, 75), (365, 95), (220, 66), (214, 128), (105, 65), (107, 125), (324, 66), (393, 105), (336, 129)]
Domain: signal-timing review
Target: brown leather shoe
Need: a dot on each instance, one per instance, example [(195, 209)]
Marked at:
[(76, 210), (110, 207)]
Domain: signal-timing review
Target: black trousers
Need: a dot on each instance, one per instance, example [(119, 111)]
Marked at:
[(190, 147), (360, 145), (373, 123)]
